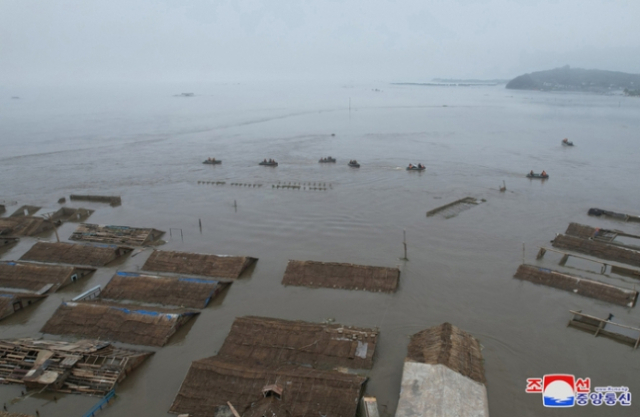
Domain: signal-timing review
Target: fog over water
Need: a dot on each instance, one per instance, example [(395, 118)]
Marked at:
[(96, 112), (147, 146)]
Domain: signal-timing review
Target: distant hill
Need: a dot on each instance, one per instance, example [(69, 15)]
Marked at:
[(576, 79)]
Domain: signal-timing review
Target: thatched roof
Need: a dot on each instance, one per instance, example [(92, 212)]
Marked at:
[(35, 277), (25, 210), (116, 234), (577, 285), (207, 265), (85, 366), (74, 253), (267, 340), (7, 414), (449, 346), (11, 302), (2, 208), (580, 230), (118, 322), (112, 200), (308, 392), (344, 276), (24, 226), (5, 241), (174, 291), (598, 249)]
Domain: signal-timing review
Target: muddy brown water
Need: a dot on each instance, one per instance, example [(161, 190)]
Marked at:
[(148, 147)]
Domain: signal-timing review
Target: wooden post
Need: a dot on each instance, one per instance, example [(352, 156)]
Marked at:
[(523, 252), (200, 224), (404, 243), (541, 253), (233, 410)]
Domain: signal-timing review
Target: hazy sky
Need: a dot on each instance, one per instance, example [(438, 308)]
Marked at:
[(50, 41)]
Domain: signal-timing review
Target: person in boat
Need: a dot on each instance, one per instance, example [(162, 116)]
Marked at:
[(544, 173), (265, 160), (531, 173), (410, 166), (565, 140)]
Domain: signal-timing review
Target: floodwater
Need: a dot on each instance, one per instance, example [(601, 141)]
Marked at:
[(147, 146)]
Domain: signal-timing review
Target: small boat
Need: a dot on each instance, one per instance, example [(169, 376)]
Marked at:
[(354, 164), (538, 176), (566, 142), (269, 163), (416, 168), (212, 161), (327, 160)]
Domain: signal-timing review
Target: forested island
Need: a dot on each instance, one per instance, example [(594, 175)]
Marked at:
[(577, 79)]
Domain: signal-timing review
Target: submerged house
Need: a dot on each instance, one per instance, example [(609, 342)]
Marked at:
[(24, 226), (343, 276), (39, 278), (118, 235), (12, 302), (288, 368), (443, 375), (75, 253), (154, 289), (151, 326), (86, 366), (188, 263)]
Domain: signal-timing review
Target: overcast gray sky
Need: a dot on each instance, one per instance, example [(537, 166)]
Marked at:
[(50, 41)]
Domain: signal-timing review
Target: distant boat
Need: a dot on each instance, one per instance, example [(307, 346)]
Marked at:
[(416, 168), (354, 164), (185, 95), (212, 161), (566, 142), (15, 98), (328, 160), (538, 176), (269, 163)]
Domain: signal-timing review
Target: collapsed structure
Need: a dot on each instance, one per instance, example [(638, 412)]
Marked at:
[(343, 276), (75, 253), (578, 285), (112, 200), (175, 291), (215, 266), (606, 327), (39, 278), (272, 364), (86, 366), (118, 322), (116, 234), (443, 375)]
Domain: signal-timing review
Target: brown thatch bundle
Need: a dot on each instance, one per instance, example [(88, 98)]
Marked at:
[(340, 275), (580, 230), (119, 322), (207, 265), (598, 249), (268, 340), (449, 346), (74, 253)]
